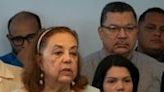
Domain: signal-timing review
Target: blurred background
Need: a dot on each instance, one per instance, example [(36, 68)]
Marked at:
[(80, 15)]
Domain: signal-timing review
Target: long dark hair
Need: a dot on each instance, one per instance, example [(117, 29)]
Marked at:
[(115, 60)]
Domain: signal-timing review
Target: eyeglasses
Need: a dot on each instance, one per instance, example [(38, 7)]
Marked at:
[(114, 28), (19, 40)]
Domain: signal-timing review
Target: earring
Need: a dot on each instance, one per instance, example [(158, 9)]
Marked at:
[(73, 83), (41, 80)]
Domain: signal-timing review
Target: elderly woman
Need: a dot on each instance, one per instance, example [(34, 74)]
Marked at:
[(55, 64), (116, 74)]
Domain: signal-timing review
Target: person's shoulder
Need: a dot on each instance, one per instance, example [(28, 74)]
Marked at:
[(91, 57), (22, 89), (11, 76), (14, 68), (11, 59), (91, 89), (147, 61), (8, 58), (11, 68), (140, 57)]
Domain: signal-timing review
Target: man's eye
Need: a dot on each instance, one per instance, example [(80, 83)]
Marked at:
[(113, 28), (130, 28), (17, 39), (30, 37), (150, 28)]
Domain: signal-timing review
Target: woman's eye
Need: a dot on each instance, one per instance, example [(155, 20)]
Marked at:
[(73, 53), (110, 81), (58, 53), (127, 80)]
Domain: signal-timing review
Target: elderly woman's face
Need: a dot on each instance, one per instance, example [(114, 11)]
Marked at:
[(117, 79), (60, 58)]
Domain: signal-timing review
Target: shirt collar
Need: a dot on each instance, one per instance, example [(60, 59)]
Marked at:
[(104, 53)]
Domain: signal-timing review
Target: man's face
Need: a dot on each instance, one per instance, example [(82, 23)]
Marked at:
[(151, 33), (22, 32), (118, 33)]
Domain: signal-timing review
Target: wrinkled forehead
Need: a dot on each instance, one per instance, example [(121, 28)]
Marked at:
[(59, 38), (52, 32), (63, 37)]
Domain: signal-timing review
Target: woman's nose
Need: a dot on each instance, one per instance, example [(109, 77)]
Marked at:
[(67, 58), (120, 86)]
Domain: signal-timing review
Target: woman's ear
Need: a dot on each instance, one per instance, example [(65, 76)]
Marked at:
[(39, 61)]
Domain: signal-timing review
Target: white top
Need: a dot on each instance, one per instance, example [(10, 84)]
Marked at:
[(10, 77), (87, 89)]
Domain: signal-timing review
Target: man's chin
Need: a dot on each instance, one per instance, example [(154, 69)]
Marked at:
[(155, 51), (122, 51)]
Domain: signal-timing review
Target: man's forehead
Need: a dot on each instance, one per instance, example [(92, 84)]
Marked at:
[(154, 16), (120, 17), (24, 26), (22, 31), (22, 34), (120, 14), (154, 20), (20, 20)]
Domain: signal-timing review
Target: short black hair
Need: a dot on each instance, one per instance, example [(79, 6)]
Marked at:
[(115, 60), (116, 7), (153, 9), (25, 13)]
